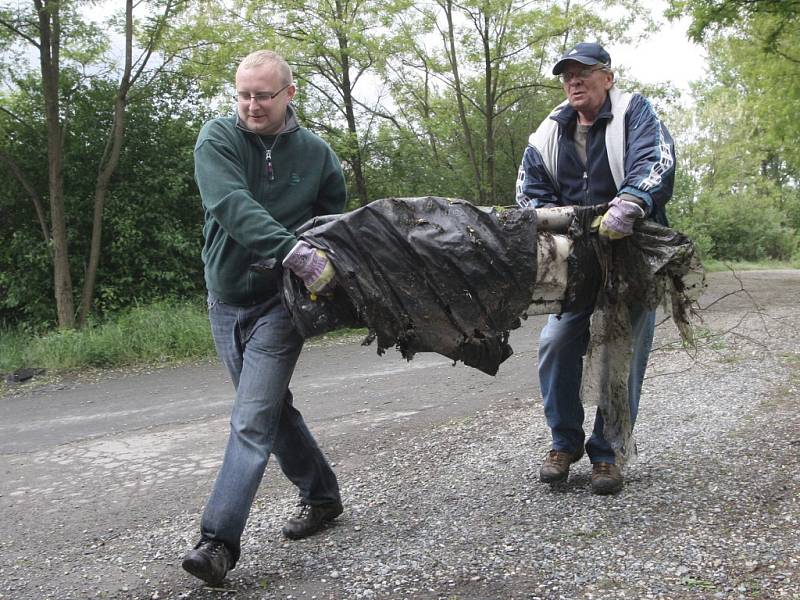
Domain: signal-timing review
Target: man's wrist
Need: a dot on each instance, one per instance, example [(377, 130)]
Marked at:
[(637, 201)]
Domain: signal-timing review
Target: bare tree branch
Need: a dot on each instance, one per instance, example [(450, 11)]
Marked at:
[(34, 195), (20, 33)]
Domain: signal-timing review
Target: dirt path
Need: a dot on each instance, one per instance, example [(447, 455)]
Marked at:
[(103, 482)]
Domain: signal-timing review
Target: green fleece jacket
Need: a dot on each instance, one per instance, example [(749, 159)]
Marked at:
[(256, 191)]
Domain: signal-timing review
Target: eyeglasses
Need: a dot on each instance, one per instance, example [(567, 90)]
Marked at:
[(581, 74), (260, 97)]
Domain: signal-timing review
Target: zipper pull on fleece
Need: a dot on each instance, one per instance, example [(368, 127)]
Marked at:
[(270, 174)]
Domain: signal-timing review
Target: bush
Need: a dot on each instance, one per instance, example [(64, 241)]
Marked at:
[(161, 332), (736, 227), (153, 219)]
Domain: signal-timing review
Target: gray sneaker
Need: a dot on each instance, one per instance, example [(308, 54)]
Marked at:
[(210, 561)]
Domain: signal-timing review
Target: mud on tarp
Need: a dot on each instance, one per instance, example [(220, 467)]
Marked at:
[(425, 275), (441, 275), (656, 265)]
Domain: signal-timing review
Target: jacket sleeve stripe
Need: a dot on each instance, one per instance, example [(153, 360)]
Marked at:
[(664, 164)]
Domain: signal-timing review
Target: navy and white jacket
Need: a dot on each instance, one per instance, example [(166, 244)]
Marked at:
[(629, 151)]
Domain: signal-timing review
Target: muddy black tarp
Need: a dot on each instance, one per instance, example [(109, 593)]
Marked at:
[(441, 275), (656, 265), (425, 275)]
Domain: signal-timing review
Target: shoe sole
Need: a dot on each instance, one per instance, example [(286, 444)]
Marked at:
[(326, 521), (196, 571), (599, 491), (561, 479)]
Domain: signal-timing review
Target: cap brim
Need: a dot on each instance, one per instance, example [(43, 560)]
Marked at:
[(586, 60)]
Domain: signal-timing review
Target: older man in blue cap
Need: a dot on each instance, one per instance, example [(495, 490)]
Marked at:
[(600, 146)]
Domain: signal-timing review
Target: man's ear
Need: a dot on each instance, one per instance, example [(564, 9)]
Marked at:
[(609, 79)]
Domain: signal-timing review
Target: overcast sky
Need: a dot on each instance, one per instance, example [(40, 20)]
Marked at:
[(667, 56)]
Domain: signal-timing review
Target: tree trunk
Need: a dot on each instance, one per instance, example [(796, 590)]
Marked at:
[(462, 113), (347, 98), (567, 32), (489, 95), (426, 118), (108, 164), (49, 36), (116, 136)]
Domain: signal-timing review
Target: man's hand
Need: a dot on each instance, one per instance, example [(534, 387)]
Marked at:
[(311, 265), (618, 221)]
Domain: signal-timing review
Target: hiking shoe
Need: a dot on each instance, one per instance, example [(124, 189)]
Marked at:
[(606, 478), (556, 464), (310, 519), (210, 561)]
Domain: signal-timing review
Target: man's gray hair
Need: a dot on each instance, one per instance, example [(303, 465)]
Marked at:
[(266, 57)]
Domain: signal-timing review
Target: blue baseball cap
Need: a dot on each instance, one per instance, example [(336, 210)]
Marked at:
[(587, 53)]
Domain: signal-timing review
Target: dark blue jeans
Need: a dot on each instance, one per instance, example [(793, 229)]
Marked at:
[(562, 345), (259, 346)]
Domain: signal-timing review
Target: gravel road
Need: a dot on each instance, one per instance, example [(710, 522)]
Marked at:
[(450, 506)]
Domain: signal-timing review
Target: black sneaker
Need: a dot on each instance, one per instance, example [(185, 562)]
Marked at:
[(210, 561), (310, 519)]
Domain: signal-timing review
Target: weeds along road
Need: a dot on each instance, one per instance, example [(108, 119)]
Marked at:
[(103, 482)]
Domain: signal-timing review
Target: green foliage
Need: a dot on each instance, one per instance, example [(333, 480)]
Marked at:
[(717, 15), (742, 228), (737, 189), (376, 80), (167, 330), (151, 238), (86, 41)]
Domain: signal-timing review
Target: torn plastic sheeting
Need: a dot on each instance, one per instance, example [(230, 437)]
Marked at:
[(441, 275), (653, 266), (403, 262), (427, 275), (431, 275)]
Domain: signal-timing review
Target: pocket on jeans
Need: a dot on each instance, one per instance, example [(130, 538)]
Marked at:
[(211, 302)]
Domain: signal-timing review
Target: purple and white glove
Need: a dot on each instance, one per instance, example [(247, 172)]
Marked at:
[(311, 265), (618, 221)]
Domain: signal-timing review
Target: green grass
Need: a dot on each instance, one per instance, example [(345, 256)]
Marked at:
[(698, 584), (712, 265), (160, 333), (166, 331)]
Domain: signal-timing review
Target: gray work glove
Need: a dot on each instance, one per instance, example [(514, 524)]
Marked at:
[(311, 265), (618, 221)]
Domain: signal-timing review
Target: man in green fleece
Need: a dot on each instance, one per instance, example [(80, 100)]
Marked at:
[(260, 177)]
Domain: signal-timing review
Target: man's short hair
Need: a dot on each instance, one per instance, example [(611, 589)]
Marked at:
[(265, 57)]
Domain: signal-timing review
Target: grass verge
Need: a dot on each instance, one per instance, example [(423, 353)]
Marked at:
[(165, 331), (161, 333), (712, 265)]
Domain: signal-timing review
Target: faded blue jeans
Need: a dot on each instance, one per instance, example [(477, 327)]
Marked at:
[(259, 346), (562, 345)]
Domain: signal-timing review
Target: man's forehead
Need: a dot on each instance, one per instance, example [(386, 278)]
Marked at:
[(264, 69), (256, 76)]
